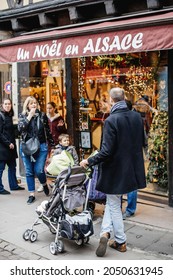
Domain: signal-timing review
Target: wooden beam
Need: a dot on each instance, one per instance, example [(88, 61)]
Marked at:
[(73, 14), (14, 4), (154, 4), (72, 99), (110, 7), (44, 20), (17, 25)]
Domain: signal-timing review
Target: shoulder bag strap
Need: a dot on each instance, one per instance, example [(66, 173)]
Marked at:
[(24, 134)]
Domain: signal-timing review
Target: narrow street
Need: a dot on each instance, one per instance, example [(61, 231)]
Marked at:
[(149, 232)]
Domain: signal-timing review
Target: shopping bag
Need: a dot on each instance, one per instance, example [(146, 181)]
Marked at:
[(93, 193)]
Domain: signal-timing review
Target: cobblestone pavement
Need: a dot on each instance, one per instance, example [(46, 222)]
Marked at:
[(144, 242), (10, 251), (149, 233)]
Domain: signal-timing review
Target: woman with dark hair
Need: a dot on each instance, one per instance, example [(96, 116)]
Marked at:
[(56, 121), (8, 151)]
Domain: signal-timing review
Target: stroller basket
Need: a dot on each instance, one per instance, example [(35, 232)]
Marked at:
[(78, 226)]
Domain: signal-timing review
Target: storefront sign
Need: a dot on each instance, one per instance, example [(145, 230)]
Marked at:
[(114, 42)]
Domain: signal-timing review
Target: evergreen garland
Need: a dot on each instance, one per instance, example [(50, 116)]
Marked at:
[(158, 150), (117, 60)]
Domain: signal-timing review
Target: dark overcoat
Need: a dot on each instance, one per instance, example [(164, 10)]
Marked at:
[(120, 159), (7, 136)]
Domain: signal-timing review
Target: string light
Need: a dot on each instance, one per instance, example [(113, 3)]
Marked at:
[(81, 85), (139, 80)]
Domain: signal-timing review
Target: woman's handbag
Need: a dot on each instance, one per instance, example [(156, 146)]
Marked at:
[(31, 146)]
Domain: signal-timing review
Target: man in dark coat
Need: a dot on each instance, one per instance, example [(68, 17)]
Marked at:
[(121, 167)]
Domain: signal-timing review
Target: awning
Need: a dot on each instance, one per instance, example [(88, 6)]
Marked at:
[(120, 36)]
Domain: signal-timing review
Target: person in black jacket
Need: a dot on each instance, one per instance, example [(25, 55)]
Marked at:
[(32, 121), (121, 167), (8, 152)]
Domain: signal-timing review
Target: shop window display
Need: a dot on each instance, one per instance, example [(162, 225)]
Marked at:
[(140, 74), (35, 87), (45, 81), (158, 137)]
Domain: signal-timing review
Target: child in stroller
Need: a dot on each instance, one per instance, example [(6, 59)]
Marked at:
[(68, 193)]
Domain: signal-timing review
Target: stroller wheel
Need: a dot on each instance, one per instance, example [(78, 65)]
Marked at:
[(53, 248), (60, 246), (26, 234), (86, 240), (79, 242), (33, 236), (56, 247)]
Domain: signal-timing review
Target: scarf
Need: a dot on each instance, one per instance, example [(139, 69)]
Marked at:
[(119, 105)]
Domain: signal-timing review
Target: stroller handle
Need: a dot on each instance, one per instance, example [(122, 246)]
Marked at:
[(91, 171), (68, 174)]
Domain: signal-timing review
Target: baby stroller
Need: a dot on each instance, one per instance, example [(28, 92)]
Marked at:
[(59, 213)]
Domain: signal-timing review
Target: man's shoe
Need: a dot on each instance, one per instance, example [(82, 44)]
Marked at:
[(31, 199), (101, 250), (5, 192), (119, 247), (46, 189), (127, 215), (19, 189), (40, 188)]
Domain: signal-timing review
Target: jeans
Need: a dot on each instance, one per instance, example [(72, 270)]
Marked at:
[(131, 202), (36, 168), (112, 219), (12, 179)]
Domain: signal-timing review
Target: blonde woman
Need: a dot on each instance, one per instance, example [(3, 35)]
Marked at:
[(32, 121)]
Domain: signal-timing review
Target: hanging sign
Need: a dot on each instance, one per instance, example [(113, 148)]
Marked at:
[(7, 87)]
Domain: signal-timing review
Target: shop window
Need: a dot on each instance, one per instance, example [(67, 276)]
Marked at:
[(45, 81), (144, 79)]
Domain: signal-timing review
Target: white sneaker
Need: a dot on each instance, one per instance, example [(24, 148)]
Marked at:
[(40, 188)]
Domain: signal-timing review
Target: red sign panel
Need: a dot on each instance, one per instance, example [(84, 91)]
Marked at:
[(113, 42)]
